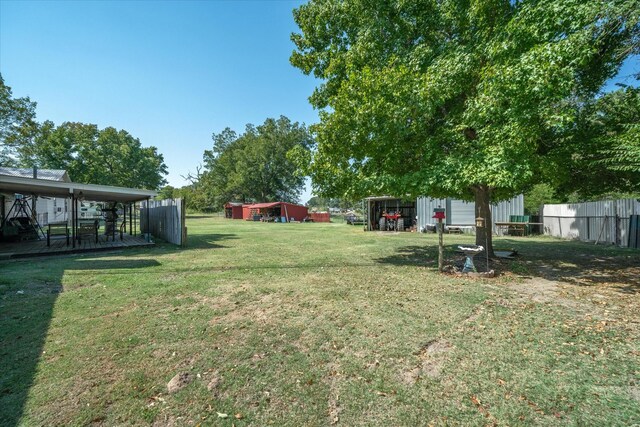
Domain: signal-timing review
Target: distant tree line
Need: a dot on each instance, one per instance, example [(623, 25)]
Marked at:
[(254, 166), (326, 203), (90, 155)]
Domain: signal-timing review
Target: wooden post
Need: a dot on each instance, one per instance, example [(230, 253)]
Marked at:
[(183, 218), (440, 245), (604, 222)]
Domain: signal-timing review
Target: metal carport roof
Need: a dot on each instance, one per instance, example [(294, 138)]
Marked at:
[(98, 193)]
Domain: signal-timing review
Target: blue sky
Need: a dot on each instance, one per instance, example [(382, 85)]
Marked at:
[(170, 73)]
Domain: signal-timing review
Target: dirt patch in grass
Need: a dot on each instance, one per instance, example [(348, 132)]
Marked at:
[(431, 360), (263, 310), (334, 396), (538, 289)]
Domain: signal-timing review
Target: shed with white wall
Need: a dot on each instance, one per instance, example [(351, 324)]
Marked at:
[(461, 213)]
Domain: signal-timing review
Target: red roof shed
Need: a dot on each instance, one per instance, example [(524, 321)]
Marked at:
[(233, 210), (291, 211)]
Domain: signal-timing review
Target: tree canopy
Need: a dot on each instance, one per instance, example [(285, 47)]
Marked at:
[(255, 166), (90, 155), (17, 122), (463, 99)]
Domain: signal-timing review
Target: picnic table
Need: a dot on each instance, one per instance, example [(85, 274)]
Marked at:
[(520, 228)]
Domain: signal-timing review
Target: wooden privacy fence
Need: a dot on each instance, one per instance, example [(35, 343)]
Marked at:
[(166, 220), (609, 221)]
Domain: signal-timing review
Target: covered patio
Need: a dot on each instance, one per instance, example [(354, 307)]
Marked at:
[(59, 247), (82, 235)]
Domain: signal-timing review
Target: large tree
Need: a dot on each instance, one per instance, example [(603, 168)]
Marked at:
[(93, 156), (255, 166), (17, 123), (451, 98)]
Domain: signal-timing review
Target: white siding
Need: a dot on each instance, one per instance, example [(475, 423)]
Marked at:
[(461, 212)]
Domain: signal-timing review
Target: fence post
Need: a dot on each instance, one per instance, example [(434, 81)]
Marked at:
[(617, 219)]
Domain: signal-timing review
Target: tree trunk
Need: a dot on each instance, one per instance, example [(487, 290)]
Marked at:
[(482, 195)]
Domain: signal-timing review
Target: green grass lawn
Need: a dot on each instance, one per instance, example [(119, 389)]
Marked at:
[(320, 324)]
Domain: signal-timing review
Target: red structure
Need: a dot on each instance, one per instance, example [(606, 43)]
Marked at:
[(233, 210), (274, 211), (320, 216)]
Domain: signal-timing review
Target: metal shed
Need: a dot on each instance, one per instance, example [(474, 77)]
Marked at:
[(461, 213), (376, 207)]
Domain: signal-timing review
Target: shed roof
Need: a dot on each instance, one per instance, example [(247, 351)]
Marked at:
[(99, 193), (265, 205), (375, 198)]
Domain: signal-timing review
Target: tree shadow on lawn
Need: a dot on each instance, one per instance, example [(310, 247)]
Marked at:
[(208, 241), (419, 256), (580, 263), (571, 262), (110, 264), (28, 293)]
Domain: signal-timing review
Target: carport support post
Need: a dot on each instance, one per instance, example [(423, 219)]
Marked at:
[(73, 220)]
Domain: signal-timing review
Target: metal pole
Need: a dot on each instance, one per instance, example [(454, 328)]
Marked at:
[(486, 243), (135, 220), (148, 209), (73, 220)]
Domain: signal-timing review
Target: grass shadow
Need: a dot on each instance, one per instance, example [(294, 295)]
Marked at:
[(196, 216), (25, 314), (419, 256), (208, 241), (101, 264)]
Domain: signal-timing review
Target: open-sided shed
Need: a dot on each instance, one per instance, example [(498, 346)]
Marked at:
[(290, 211)]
